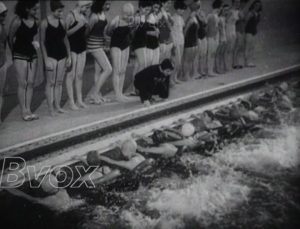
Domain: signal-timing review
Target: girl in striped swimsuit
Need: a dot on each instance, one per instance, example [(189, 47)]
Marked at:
[(95, 46)]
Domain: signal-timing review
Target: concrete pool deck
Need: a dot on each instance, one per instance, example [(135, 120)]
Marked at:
[(17, 135)]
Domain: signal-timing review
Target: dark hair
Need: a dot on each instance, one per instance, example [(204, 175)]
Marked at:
[(163, 1), (22, 7), (217, 4), (167, 64), (55, 5), (145, 3), (97, 6), (179, 4), (253, 5), (222, 9), (209, 114), (158, 2)]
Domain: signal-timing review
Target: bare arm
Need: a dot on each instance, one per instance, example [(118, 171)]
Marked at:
[(247, 6), (23, 195), (43, 39), (66, 40), (15, 24), (69, 21), (91, 22), (124, 164), (111, 26)]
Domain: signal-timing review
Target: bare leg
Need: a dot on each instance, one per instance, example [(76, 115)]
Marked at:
[(156, 55), (70, 80), (239, 49), (188, 63), (30, 83), (2, 84), (124, 63), (51, 78), (203, 56), (139, 65), (249, 50), (103, 62), (81, 59), (21, 67), (116, 55), (211, 56), (61, 71)]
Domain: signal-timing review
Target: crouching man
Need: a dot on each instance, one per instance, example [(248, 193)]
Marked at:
[(154, 80)]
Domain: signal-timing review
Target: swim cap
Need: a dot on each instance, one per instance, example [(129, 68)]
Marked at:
[(129, 146), (251, 115), (259, 109), (49, 184), (284, 86), (187, 129), (3, 8), (84, 3)]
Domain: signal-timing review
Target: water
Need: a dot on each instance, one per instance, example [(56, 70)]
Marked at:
[(252, 183)]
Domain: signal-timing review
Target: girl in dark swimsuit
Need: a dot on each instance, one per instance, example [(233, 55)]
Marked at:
[(252, 20), (76, 31), (165, 23), (153, 51), (202, 41), (3, 63), (139, 42), (23, 30), (120, 32), (190, 45), (56, 53), (96, 44), (239, 46)]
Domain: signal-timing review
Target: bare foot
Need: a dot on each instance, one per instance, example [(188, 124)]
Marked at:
[(73, 107), (52, 113), (61, 110), (82, 105)]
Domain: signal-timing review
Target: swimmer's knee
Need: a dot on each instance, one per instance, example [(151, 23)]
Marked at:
[(30, 84)]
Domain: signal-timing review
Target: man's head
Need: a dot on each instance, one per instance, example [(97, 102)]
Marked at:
[(3, 12), (129, 148), (167, 67)]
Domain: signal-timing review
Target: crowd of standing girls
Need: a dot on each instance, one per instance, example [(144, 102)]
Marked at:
[(200, 44)]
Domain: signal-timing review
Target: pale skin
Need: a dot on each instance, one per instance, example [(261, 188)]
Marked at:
[(78, 60), (103, 68), (120, 57), (189, 55), (239, 47), (26, 71), (202, 46), (178, 47), (59, 202), (2, 69), (141, 60), (153, 54), (55, 70)]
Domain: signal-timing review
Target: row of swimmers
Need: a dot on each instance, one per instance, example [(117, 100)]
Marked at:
[(201, 45), (144, 158)]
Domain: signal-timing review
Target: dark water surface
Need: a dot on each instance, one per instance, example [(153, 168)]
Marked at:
[(251, 183)]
